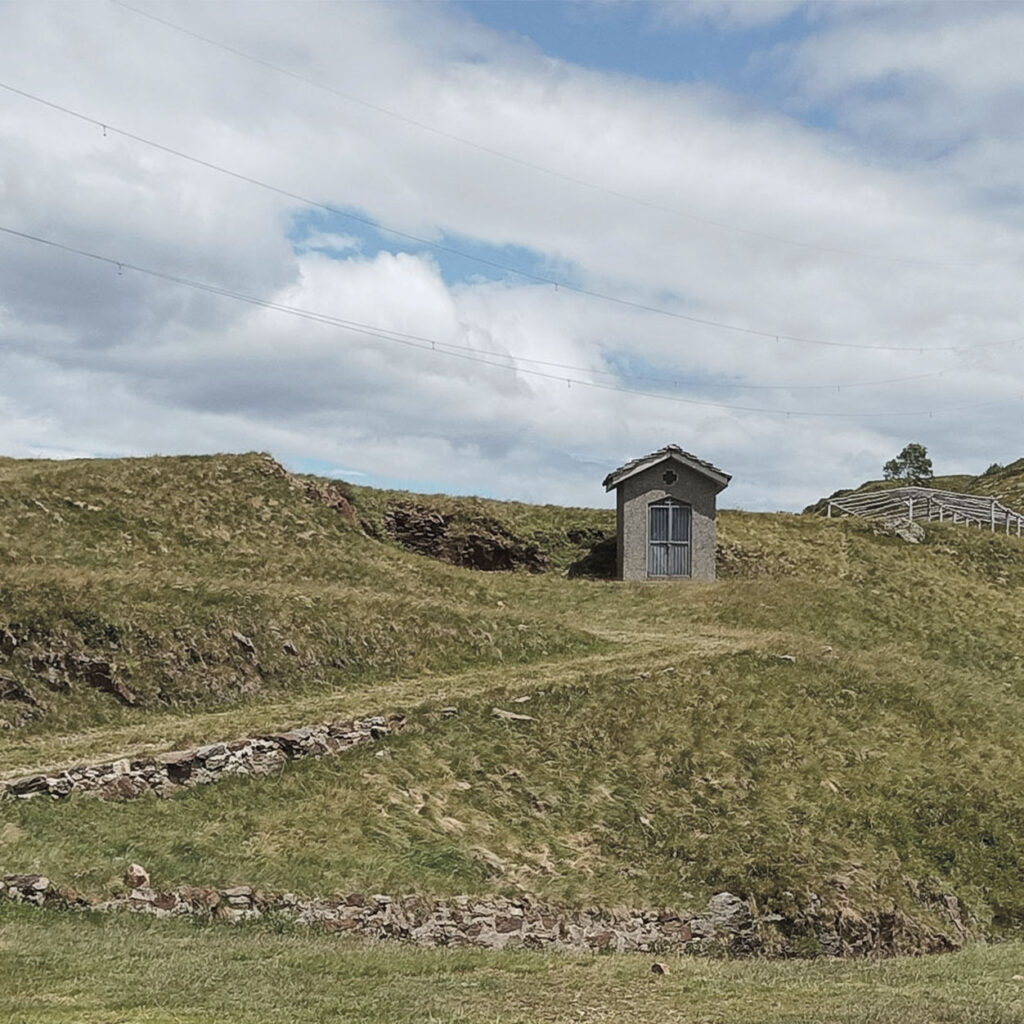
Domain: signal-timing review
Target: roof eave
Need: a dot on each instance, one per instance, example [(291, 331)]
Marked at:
[(614, 480)]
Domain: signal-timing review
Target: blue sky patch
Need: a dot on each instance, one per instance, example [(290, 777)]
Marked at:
[(461, 260), (638, 39)]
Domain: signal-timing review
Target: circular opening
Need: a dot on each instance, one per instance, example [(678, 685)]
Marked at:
[(669, 477)]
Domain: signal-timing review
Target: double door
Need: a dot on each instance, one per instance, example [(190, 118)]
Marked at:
[(669, 527)]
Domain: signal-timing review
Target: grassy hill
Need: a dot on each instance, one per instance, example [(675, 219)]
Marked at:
[(840, 715), (205, 582), (1003, 482)]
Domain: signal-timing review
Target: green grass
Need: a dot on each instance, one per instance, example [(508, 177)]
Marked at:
[(157, 563), (750, 774), (882, 767), (87, 969), (1004, 482)]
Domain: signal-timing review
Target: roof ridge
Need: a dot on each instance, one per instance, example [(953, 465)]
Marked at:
[(702, 465)]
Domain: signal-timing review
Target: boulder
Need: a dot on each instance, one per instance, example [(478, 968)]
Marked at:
[(136, 877), (905, 529)]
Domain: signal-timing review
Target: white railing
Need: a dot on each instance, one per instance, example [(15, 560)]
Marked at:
[(924, 503)]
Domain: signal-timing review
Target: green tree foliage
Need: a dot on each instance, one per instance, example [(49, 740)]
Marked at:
[(912, 465)]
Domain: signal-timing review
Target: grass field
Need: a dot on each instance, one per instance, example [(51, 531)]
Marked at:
[(840, 714), (92, 970)]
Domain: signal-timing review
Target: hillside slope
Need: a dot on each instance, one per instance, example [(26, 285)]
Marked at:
[(837, 719), (1003, 482), (202, 582)]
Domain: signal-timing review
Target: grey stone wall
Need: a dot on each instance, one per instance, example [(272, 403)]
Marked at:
[(637, 492), (165, 773), (728, 923), (488, 922)]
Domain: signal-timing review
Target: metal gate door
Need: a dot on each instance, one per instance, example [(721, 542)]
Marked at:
[(668, 538)]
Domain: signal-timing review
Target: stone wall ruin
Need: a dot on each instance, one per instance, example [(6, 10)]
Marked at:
[(165, 773)]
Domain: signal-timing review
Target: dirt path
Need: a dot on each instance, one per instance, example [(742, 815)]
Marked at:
[(155, 733)]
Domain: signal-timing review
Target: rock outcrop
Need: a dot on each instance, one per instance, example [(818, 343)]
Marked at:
[(902, 527), (482, 543)]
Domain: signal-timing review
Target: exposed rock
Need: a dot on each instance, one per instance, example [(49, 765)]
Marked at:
[(15, 692), (29, 786), (511, 716), (136, 877), (659, 968), (8, 641), (61, 669), (487, 922), (487, 546), (728, 917), (243, 641), (100, 675), (905, 529), (324, 492), (11, 689), (27, 883)]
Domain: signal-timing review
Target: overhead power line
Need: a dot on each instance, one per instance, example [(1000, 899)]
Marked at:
[(763, 333), (549, 171), (441, 348)]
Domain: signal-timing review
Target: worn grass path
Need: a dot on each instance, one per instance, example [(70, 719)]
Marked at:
[(24, 754), (90, 969)]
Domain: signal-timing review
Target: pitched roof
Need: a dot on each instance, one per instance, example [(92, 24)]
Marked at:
[(670, 451)]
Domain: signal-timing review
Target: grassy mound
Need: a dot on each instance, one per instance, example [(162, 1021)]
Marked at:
[(839, 715), (191, 583)]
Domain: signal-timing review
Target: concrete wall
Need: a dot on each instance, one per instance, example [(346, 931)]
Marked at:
[(637, 492)]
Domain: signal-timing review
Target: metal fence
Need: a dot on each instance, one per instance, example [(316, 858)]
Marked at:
[(924, 503)]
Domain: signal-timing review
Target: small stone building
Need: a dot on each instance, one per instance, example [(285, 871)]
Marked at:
[(666, 515)]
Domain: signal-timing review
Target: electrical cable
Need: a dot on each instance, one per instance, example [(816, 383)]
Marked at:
[(551, 172), (777, 336), (431, 345)]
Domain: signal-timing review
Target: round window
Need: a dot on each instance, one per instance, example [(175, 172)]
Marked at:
[(669, 477)]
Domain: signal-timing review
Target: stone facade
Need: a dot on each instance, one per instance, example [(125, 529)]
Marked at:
[(165, 773), (670, 473)]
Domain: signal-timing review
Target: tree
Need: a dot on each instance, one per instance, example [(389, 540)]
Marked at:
[(912, 464)]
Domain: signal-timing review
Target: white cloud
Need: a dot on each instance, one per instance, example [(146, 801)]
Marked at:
[(96, 361)]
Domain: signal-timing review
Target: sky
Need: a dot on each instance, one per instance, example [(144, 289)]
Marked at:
[(500, 248)]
